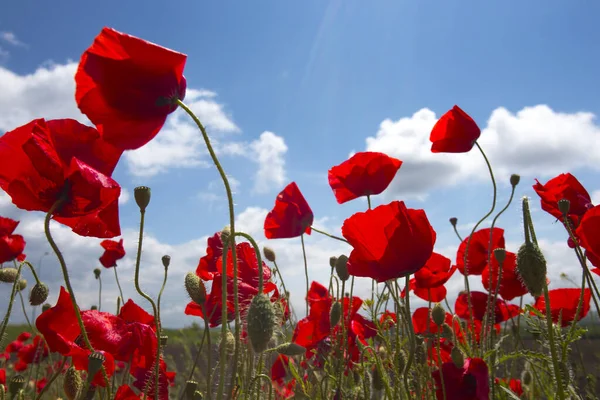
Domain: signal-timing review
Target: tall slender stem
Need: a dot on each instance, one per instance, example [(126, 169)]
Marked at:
[(329, 235), (305, 269), (119, 284), (99, 293), (162, 289)]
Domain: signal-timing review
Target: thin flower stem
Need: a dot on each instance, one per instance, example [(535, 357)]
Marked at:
[(342, 359), (224, 327), (65, 272), (52, 379), (145, 296), (230, 203), (305, 268), (329, 235), (457, 234), (25, 312), (99, 293), (439, 353), (119, 284), (369, 200), (209, 354), (10, 303), (162, 289)]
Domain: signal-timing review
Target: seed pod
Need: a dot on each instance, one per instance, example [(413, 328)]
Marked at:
[(97, 272), (142, 196), (95, 362), (72, 384), (526, 377), (190, 389), (531, 267), (563, 206), (290, 349), (332, 261), (39, 294), (166, 261), (269, 254), (335, 314), (341, 267), (453, 221), (261, 322), (8, 275), (15, 384), (438, 314), (195, 288), (515, 179)]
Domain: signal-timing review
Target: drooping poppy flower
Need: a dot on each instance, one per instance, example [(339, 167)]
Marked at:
[(126, 86), (467, 383), (363, 174), (113, 251), (454, 132), (564, 186), (503, 311), (588, 233), (389, 241), (44, 161), (477, 255), (291, 216), (511, 285), (563, 304), (428, 283), (11, 246)]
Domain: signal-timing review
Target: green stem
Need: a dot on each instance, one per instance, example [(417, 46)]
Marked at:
[(25, 313), (223, 348), (10, 303), (162, 289), (329, 235), (99, 293), (119, 284), (439, 352), (305, 269), (52, 379), (145, 296), (369, 200)]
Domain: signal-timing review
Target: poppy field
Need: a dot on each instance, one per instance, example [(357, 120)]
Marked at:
[(249, 343)]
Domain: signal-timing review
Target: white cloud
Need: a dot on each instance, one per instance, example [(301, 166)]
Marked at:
[(534, 142), (269, 151), (595, 197), (11, 38), (125, 196), (210, 194)]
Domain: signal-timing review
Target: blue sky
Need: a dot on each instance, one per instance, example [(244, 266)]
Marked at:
[(323, 77)]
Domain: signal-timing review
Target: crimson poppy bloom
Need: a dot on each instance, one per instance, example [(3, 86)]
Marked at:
[(511, 285), (564, 186), (423, 322), (428, 283), (279, 374), (388, 319), (165, 379), (125, 392), (113, 251), (467, 383), (2, 376), (291, 216), (24, 336), (389, 241), (11, 246), (44, 161), (503, 311), (513, 384), (563, 304), (478, 250), (126, 87), (454, 132), (363, 174), (588, 233)]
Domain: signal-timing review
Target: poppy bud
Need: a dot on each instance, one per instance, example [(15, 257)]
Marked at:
[(22, 285), (453, 221), (332, 261), (94, 307), (447, 332), (341, 267), (15, 384), (438, 314), (163, 340), (526, 377), (142, 197), (290, 349), (229, 343), (261, 322), (39, 294), (97, 272), (190, 389), (225, 234), (46, 307), (335, 313), (515, 179), (72, 384), (8, 275), (377, 381), (563, 206), (531, 267), (269, 254), (166, 261), (195, 288), (457, 357), (500, 255), (95, 363)]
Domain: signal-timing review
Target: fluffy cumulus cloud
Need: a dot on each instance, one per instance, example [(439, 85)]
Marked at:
[(534, 142)]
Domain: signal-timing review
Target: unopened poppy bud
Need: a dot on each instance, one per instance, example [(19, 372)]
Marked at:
[(190, 389), (95, 363), (515, 179), (163, 340), (438, 314), (332, 261), (225, 234), (142, 197), (72, 383), (15, 384), (94, 307), (335, 313), (457, 357), (166, 261), (290, 349), (341, 267), (531, 267), (269, 254), (39, 294), (8, 275), (526, 377), (22, 285), (500, 255), (261, 322), (563, 206), (377, 381), (229, 343), (46, 307), (453, 221), (97, 272), (447, 332), (195, 288)]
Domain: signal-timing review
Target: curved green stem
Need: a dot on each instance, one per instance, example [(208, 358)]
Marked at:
[(118, 284), (10, 303), (329, 235), (52, 379), (305, 269), (100, 293), (439, 352), (162, 289)]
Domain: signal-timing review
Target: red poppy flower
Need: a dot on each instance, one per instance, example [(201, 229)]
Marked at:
[(511, 285), (165, 378), (41, 384), (34, 352), (513, 384), (113, 251), (588, 233), (564, 186), (125, 392), (279, 374), (125, 86), (503, 311), (428, 283), (467, 383), (454, 132), (24, 336), (363, 174), (563, 304), (46, 160), (423, 323), (478, 250), (389, 241), (11, 246), (291, 215), (388, 319)]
